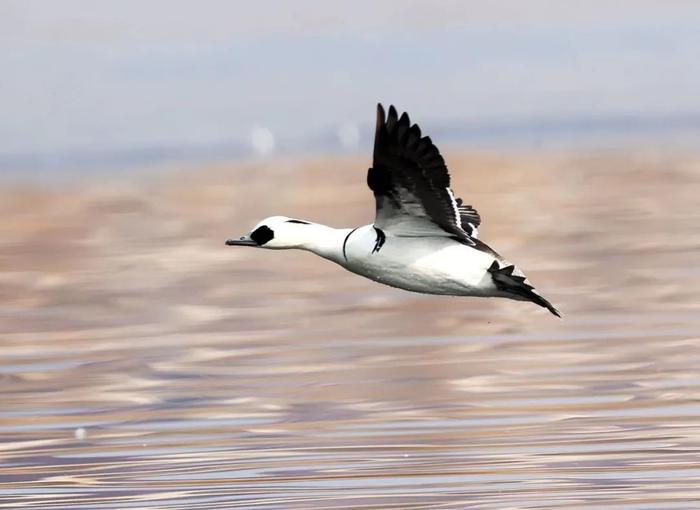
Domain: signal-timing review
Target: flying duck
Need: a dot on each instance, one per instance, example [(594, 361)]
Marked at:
[(423, 239)]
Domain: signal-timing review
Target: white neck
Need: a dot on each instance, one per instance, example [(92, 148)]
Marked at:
[(325, 241)]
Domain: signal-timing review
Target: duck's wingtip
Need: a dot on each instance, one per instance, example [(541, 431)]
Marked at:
[(554, 310), (539, 300), (509, 279)]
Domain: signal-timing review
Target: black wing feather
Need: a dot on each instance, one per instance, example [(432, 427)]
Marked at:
[(411, 183), (469, 218), (505, 280)]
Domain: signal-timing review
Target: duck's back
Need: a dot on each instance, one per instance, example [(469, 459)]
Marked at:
[(432, 265)]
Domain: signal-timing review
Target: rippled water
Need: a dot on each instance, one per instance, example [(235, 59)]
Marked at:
[(146, 365)]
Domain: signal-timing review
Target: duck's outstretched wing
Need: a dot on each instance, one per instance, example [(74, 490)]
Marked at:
[(411, 184), (469, 218)]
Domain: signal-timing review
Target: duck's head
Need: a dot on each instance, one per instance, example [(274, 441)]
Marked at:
[(276, 233)]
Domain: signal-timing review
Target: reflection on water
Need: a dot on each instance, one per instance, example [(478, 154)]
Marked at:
[(146, 365)]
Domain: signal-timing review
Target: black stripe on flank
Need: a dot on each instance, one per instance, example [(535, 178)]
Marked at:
[(381, 239), (300, 222)]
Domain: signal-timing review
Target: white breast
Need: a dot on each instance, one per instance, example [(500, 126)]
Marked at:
[(433, 265)]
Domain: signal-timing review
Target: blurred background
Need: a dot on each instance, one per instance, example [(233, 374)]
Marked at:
[(87, 86), (146, 365)]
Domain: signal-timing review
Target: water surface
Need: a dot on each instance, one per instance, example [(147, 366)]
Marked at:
[(146, 365)]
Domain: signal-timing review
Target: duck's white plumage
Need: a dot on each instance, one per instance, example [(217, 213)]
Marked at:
[(431, 265), (423, 238)]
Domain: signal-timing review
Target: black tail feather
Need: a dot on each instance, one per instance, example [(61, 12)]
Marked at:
[(506, 281)]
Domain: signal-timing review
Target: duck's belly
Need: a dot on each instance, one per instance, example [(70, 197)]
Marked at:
[(427, 265)]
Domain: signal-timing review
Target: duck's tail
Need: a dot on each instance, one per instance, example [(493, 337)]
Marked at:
[(517, 284)]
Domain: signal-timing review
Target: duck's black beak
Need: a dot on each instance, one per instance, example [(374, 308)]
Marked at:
[(243, 241)]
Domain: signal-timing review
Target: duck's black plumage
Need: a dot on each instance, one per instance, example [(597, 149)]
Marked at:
[(411, 184), (505, 280)]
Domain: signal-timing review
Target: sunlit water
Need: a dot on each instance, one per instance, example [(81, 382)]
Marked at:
[(146, 365)]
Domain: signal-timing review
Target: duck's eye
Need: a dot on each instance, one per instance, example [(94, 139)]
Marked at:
[(300, 222), (262, 235)]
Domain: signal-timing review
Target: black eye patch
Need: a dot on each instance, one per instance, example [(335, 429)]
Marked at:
[(262, 235), (300, 222)]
